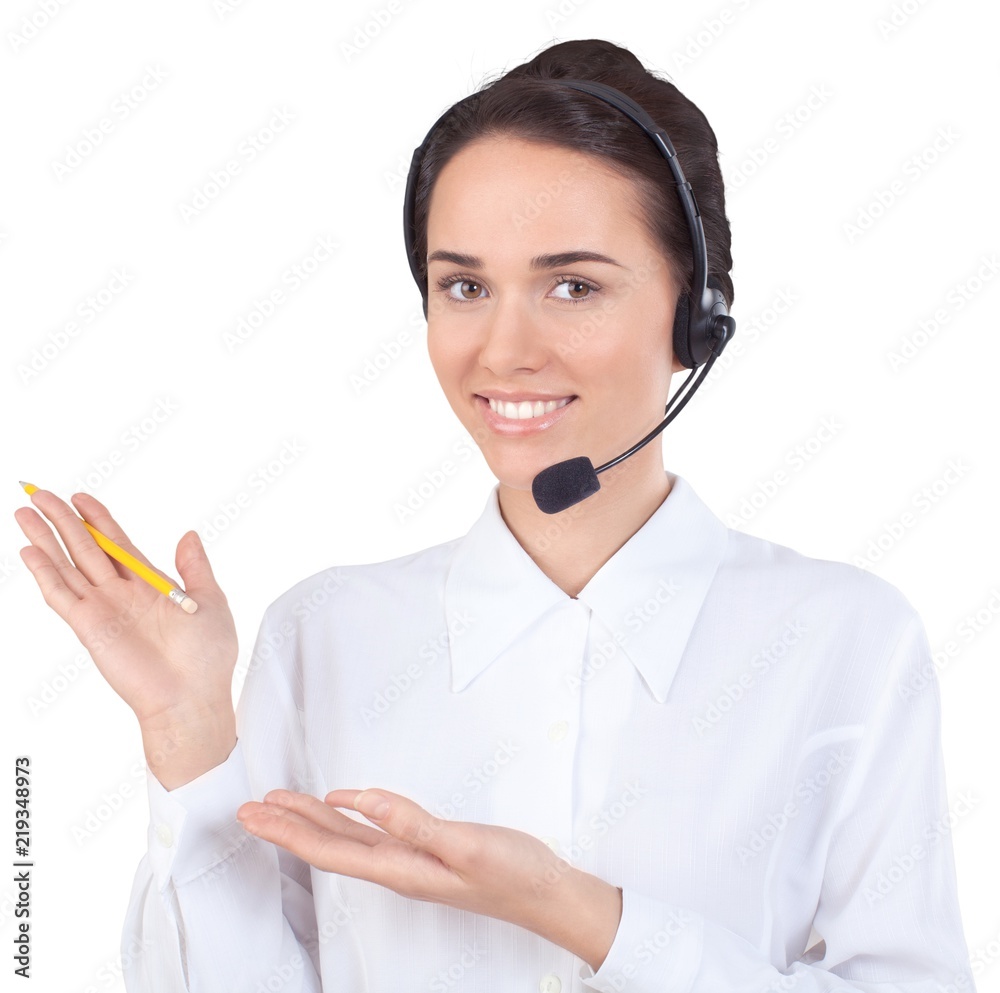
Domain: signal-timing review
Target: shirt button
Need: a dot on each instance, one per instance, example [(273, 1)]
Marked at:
[(165, 835), (550, 984), (558, 730)]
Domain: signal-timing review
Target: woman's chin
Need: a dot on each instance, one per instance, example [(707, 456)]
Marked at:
[(520, 476)]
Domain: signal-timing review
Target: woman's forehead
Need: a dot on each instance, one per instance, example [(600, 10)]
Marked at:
[(517, 198), (513, 152)]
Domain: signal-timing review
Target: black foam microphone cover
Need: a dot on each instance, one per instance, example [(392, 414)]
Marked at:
[(564, 484)]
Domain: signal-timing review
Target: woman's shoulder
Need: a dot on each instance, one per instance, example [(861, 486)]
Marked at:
[(854, 632), (413, 574), (838, 589)]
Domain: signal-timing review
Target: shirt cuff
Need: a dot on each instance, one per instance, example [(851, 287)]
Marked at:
[(194, 827), (657, 947)]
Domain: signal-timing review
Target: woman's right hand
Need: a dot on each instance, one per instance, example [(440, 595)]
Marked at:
[(173, 669)]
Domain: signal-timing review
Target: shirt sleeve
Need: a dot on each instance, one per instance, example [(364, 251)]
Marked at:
[(213, 907), (888, 909)]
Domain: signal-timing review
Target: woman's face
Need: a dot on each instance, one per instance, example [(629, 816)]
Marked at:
[(515, 312)]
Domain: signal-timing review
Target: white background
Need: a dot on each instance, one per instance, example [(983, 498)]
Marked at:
[(86, 419)]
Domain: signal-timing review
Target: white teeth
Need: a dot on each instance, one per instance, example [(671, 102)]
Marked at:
[(526, 408)]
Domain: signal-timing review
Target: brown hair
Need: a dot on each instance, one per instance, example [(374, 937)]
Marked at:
[(518, 104)]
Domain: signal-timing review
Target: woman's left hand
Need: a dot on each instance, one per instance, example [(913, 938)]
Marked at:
[(496, 871)]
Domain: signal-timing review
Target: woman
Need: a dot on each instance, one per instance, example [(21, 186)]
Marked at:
[(616, 747)]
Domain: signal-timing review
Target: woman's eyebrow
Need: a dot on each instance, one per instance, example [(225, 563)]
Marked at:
[(551, 260)]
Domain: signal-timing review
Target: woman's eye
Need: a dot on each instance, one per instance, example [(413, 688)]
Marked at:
[(468, 289), (577, 289)]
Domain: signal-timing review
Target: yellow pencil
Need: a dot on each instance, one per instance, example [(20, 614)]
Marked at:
[(131, 562)]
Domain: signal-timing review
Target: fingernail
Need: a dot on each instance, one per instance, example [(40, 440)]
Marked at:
[(371, 804)]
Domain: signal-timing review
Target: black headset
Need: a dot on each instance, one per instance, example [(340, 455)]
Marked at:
[(702, 325)]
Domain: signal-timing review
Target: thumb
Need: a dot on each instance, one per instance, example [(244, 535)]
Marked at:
[(192, 564)]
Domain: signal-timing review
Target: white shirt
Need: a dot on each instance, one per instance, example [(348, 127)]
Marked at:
[(745, 739)]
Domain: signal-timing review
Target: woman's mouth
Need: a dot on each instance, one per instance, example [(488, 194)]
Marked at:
[(526, 408), (526, 417)]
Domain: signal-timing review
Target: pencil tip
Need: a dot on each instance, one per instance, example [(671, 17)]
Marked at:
[(26, 486)]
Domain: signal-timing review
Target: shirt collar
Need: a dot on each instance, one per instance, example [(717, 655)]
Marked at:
[(648, 593)]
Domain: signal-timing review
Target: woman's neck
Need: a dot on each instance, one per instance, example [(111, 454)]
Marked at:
[(570, 547)]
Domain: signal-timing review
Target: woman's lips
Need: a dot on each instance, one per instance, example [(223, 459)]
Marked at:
[(518, 428)]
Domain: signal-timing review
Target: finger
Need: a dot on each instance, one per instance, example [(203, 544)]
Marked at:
[(306, 839), (88, 558), (63, 572), (192, 563), (55, 592), (406, 821), (326, 816), (99, 517)]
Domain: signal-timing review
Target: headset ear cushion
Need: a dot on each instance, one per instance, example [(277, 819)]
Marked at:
[(681, 317)]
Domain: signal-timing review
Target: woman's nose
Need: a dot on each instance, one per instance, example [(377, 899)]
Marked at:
[(513, 339)]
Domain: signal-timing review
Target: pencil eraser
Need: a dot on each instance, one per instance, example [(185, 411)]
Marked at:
[(188, 605)]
